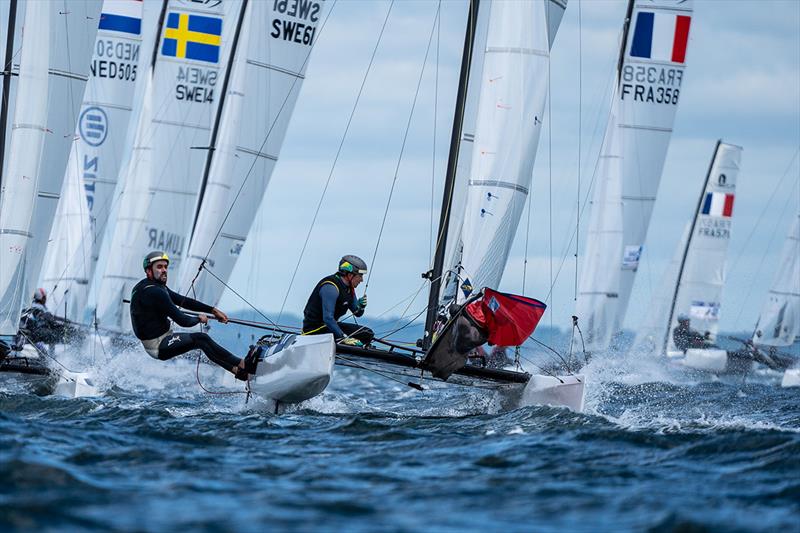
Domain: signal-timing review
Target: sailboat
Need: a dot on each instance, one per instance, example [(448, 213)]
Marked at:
[(501, 96), (650, 75), (697, 290), (120, 59), (46, 58), (779, 322)]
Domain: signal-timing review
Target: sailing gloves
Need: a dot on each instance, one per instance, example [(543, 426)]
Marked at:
[(362, 302), (350, 341)]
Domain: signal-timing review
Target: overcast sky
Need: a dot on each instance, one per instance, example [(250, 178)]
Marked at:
[(742, 85)]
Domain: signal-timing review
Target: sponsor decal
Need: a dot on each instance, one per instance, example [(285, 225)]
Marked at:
[(93, 126), (631, 256), (704, 310)]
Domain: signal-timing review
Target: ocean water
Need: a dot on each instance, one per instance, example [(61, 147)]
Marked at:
[(655, 450)]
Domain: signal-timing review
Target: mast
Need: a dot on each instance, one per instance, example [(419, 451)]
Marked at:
[(688, 243), (626, 26), (435, 275), (160, 27), (12, 15), (215, 129)]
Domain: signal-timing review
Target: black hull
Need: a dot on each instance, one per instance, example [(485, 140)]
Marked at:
[(405, 358)]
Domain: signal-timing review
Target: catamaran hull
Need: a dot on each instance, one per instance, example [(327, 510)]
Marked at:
[(557, 391), (791, 378), (27, 371), (712, 360), (296, 371)]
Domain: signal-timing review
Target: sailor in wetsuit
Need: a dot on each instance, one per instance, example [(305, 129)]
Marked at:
[(37, 324), (685, 337), (332, 297), (153, 304)]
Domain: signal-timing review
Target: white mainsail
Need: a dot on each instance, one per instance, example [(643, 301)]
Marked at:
[(512, 94), (264, 85), (162, 182), (96, 157), (649, 81), (698, 293), (779, 322), (53, 64)]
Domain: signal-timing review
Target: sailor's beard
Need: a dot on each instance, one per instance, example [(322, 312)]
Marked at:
[(163, 279)]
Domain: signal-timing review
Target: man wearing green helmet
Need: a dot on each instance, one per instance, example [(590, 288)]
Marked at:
[(153, 304), (332, 297)]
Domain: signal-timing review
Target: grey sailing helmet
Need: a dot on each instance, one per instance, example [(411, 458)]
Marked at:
[(352, 263), (152, 257)]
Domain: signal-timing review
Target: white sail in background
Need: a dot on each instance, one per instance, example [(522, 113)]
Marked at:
[(779, 322), (701, 278), (159, 193), (513, 92), (650, 78), (52, 64), (95, 159), (267, 76)]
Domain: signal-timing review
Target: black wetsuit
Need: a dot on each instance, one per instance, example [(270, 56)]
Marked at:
[(685, 337), (40, 325), (153, 304)]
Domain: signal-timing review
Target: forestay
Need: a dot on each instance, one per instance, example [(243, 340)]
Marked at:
[(512, 92), (267, 76), (95, 160), (779, 322), (159, 193), (702, 276), (649, 82), (51, 58)]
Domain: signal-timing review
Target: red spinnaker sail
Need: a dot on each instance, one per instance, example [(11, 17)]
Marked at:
[(509, 319)]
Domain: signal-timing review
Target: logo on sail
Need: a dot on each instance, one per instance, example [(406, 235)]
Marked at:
[(196, 37), (631, 256), (718, 204), (661, 36), (93, 126), (124, 16), (704, 310)]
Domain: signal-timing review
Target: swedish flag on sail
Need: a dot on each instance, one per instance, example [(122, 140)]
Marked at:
[(192, 37)]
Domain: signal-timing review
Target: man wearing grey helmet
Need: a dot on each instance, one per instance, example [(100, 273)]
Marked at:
[(332, 297)]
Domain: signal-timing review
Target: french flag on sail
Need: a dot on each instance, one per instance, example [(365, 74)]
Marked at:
[(718, 204), (661, 36), (124, 16)]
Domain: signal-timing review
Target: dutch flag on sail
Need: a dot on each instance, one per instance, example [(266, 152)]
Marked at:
[(124, 16), (718, 204), (661, 36)]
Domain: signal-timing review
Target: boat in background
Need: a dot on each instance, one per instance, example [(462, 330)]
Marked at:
[(650, 75), (46, 68)]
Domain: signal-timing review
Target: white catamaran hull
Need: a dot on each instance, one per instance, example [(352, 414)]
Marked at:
[(36, 375), (296, 369), (558, 391), (791, 378)]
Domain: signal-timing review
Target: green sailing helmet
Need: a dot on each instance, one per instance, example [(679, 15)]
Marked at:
[(152, 257), (353, 264)]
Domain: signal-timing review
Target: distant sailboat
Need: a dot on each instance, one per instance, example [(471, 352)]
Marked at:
[(91, 175), (650, 75), (779, 322), (695, 291), (46, 53)]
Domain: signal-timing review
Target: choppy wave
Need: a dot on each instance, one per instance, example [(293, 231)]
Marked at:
[(653, 450)]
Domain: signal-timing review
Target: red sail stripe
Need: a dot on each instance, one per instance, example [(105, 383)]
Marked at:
[(681, 38)]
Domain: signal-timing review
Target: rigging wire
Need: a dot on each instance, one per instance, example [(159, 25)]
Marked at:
[(402, 148), (580, 139), (335, 160)]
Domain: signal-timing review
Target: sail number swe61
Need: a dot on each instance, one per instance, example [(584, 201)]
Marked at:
[(298, 30), (651, 84)]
